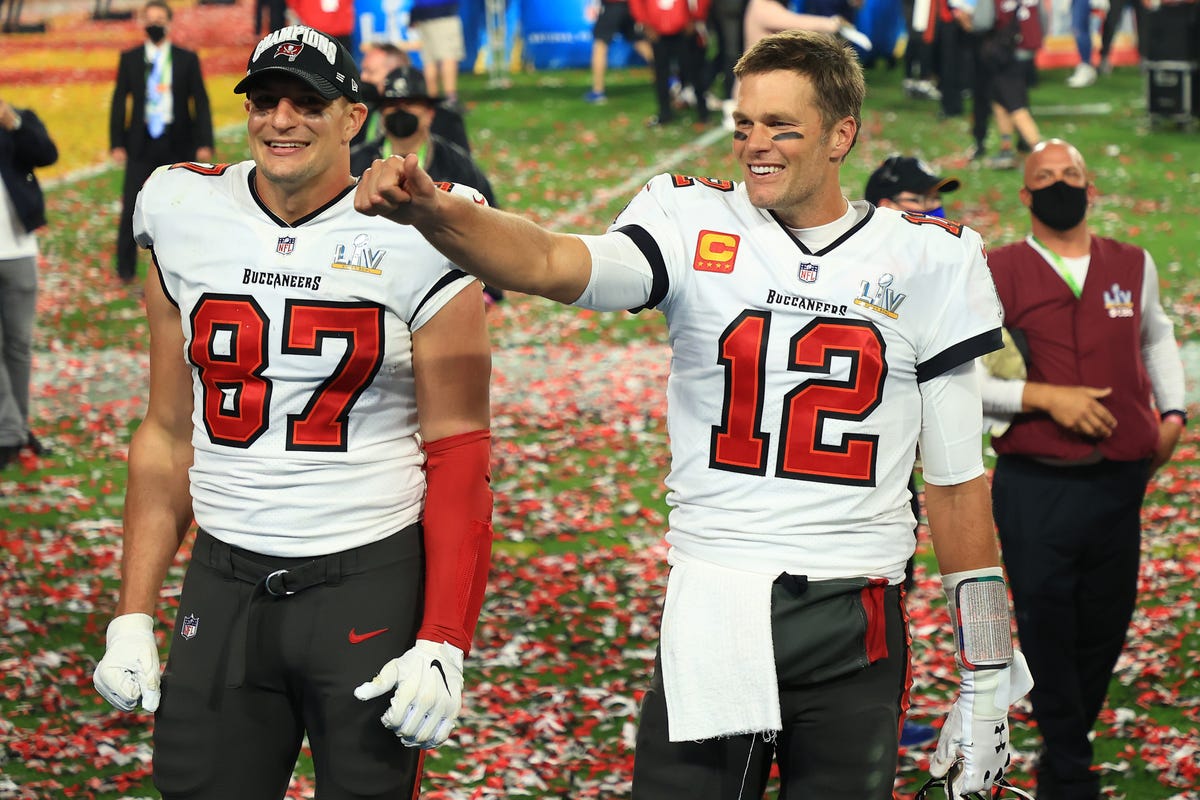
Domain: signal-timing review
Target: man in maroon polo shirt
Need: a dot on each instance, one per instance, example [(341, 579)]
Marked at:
[(1102, 408)]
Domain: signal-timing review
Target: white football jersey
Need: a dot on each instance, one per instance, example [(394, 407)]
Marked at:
[(794, 406), (299, 339)]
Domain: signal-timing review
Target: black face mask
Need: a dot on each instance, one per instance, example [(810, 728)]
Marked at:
[(156, 33), (400, 123), (1060, 205)]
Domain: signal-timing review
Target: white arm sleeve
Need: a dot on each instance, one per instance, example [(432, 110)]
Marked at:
[(1160, 352), (951, 421), (1001, 396), (621, 276)]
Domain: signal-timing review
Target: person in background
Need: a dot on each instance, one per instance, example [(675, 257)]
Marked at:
[(378, 61), (24, 146), (920, 77), (1006, 56), (159, 115), (613, 18), (676, 31), (1114, 12), (439, 28), (1101, 408), (815, 341), (725, 21), (273, 12), (333, 17), (1081, 30), (407, 114), (319, 406)]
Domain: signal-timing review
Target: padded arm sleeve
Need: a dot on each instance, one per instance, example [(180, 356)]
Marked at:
[(458, 536)]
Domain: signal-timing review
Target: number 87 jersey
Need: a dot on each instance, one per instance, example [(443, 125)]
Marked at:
[(794, 405), (300, 342)]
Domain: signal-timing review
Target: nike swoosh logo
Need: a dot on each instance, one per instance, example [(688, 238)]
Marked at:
[(438, 666), (356, 637)]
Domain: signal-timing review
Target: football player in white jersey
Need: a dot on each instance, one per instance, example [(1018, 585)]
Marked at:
[(319, 403), (815, 342)]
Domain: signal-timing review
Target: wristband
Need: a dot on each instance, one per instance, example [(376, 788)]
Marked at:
[(1176, 415), (979, 613)]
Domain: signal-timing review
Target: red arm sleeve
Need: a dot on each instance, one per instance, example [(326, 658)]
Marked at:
[(458, 536)]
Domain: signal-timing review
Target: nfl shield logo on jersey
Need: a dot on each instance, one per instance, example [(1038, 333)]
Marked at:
[(285, 245), (191, 624), (808, 272)]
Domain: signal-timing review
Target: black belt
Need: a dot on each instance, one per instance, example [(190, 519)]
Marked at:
[(283, 577)]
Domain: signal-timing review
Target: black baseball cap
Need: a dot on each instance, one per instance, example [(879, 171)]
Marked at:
[(310, 55), (905, 174), (407, 83)]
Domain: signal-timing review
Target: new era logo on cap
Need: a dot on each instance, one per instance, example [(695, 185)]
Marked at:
[(308, 54)]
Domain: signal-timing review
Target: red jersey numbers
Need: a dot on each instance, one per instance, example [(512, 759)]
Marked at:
[(739, 444), (951, 227), (306, 328), (684, 181), (201, 169), (229, 349)]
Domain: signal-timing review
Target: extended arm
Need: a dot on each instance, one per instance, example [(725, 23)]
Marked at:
[(500, 248)]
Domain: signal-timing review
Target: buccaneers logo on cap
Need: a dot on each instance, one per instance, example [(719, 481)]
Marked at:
[(289, 49)]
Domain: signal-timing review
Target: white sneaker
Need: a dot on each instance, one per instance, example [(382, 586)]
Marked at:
[(727, 107), (1084, 75)]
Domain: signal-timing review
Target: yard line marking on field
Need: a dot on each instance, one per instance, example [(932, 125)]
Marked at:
[(85, 173), (636, 181), (1091, 109)]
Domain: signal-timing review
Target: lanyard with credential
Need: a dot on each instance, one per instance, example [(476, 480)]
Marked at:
[(1061, 267)]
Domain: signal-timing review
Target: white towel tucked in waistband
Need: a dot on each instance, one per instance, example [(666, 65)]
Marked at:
[(718, 659)]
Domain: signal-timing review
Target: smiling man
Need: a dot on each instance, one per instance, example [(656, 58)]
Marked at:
[(319, 402), (815, 343)]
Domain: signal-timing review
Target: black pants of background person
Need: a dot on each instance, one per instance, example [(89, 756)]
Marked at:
[(839, 737), (1071, 539), (956, 56), (725, 18), (156, 153), (273, 10), (685, 52)]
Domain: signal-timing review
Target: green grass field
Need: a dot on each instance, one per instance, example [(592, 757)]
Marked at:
[(566, 642)]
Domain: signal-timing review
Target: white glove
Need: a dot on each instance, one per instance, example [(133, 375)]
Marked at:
[(428, 682), (129, 669), (976, 733)]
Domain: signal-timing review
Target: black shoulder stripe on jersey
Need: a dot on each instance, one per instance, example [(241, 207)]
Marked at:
[(960, 353), (161, 282), (447, 279), (658, 267)]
